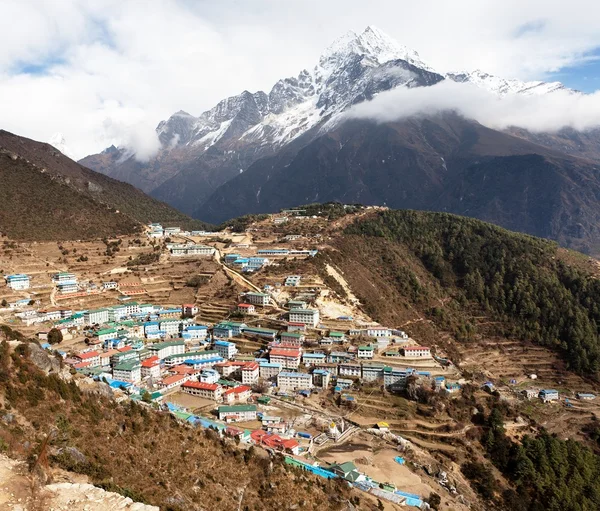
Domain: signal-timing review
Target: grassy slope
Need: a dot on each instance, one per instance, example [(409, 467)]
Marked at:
[(82, 181)]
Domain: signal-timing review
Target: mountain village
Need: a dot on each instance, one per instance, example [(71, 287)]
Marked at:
[(280, 363)]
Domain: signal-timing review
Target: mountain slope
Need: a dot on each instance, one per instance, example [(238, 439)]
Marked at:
[(470, 278), (45, 195), (444, 163)]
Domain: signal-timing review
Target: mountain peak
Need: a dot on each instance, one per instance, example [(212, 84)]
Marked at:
[(371, 42)]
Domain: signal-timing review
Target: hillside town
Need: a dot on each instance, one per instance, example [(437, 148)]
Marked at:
[(285, 366)]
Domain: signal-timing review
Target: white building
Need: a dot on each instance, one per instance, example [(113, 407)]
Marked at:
[(151, 368), (110, 285), (250, 373), (17, 281), (261, 299), (378, 331), (366, 352), (306, 316), (205, 390), (165, 349), (64, 278), (292, 281), (416, 351), (294, 381), (226, 349), (287, 358), (269, 370), (96, 317), (128, 371)]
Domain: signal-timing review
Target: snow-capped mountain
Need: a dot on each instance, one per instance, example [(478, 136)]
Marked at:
[(201, 153), (59, 142), (503, 86)]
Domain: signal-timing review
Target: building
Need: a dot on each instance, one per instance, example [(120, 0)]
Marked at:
[(372, 371), (395, 378), (292, 281), (311, 359), (416, 351), (96, 317), (110, 285), (378, 331), (250, 373), (287, 358), (189, 310), (350, 369), (585, 396), (292, 338), (65, 288), (261, 299), (290, 381), (267, 333), (240, 394), (256, 263), (198, 359), (337, 357), (366, 352), (173, 381), (64, 278), (246, 308), (321, 378), (151, 367), (547, 395), (197, 332), (17, 282), (205, 390), (128, 371), (269, 370), (273, 252), (306, 316), (106, 334), (226, 349), (228, 329), (296, 327), (190, 249), (209, 376), (91, 358), (530, 393), (165, 349), (237, 413), (296, 304), (171, 327)]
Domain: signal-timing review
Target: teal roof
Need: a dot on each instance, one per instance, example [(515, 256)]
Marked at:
[(236, 408)]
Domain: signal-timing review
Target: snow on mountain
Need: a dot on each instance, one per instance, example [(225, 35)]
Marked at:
[(354, 68), (59, 142), (503, 86)]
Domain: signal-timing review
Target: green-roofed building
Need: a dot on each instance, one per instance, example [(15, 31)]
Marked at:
[(237, 413)]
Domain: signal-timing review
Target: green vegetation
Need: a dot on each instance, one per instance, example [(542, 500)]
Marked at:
[(240, 224), (144, 259), (330, 210), (518, 279), (55, 336), (547, 473)]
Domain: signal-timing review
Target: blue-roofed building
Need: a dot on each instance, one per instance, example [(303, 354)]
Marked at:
[(17, 281), (226, 349), (313, 358), (547, 395), (269, 370), (321, 378)]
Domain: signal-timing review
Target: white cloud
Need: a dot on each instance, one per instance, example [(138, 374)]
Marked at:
[(109, 70), (549, 112)]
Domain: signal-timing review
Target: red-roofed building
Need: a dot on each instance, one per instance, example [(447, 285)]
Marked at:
[(124, 349), (105, 357), (416, 351), (289, 358), (189, 309), (230, 367), (185, 370), (206, 390), (82, 365), (291, 445), (296, 327), (246, 308), (250, 373), (91, 357), (170, 382), (151, 367), (239, 394)]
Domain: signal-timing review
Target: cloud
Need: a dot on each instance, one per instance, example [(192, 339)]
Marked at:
[(548, 113), (85, 67)]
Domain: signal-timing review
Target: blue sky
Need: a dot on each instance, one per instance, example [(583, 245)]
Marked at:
[(584, 77)]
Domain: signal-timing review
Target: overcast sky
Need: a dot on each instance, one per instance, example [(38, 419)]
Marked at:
[(107, 71)]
